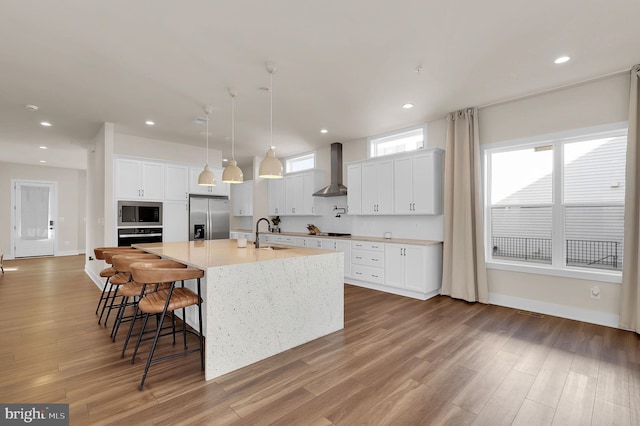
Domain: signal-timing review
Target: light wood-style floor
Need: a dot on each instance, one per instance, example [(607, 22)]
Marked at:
[(398, 361)]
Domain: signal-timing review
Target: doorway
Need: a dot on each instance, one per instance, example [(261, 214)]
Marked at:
[(34, 207)]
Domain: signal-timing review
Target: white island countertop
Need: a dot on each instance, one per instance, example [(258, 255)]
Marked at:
[(257, 302), (204, 254)]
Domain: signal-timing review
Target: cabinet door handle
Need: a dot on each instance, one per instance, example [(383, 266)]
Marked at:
[(143, 192), (358, 257), (374, 276)]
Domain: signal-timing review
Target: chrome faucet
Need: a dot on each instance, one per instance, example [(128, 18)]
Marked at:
[(257, 243)]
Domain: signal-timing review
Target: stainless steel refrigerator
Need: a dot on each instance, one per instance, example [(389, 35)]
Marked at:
[(208, 218)]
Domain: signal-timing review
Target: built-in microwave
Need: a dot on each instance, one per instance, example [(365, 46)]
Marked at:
[(139, 213)]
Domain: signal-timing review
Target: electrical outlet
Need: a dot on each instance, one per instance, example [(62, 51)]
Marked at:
[(595, 292)]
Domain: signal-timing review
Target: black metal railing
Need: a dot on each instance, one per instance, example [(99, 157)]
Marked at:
[(595, 254), (529, 249), (585, 253)]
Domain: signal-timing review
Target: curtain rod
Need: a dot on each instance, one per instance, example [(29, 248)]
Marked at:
[(553, 89)]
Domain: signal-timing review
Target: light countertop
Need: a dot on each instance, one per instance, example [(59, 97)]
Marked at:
[(359, 238), (211, 253)]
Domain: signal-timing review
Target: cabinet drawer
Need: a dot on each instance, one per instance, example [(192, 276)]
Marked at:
[(367, 245), (368, 273), (368, 258)]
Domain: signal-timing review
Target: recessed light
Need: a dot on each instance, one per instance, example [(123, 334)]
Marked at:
[(31, 107), (324, 131), (42, 161), (407, 106), (45, 124), (43, 147), (224, 159), (562, 60), (149, 123)]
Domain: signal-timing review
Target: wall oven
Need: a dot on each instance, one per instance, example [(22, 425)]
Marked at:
[(128, 236), (139, 213)]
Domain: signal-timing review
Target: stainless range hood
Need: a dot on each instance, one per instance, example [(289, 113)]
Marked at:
[(335, 188)]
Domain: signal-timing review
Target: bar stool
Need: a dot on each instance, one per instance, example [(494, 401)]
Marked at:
[(106, 272), (133, 290), (119, 278), (164, 301)]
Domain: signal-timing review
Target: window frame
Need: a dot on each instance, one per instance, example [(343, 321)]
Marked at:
[(312, 154), (371, 140), (557, 140)]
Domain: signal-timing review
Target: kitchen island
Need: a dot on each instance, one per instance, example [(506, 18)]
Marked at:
[(260, 302)]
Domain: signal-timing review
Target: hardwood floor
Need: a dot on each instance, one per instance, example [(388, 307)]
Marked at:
[(398, 361)]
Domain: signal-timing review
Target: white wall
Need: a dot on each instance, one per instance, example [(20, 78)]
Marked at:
[(599, 102), (95, 204), (71, 195), (136, 146)]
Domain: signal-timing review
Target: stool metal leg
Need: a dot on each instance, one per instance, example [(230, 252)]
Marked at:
[(155, 340), (104, 288)]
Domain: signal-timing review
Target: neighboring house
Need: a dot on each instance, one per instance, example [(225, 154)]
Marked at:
[(594, 213)]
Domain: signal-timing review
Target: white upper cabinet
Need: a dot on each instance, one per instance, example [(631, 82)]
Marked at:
[(418, 183), (403, 184), (277, 193), (311, 182), (242, 198), (354, 191), (298, 193), (377, 187), (221, 188), (176, 221), (293, 194), (139, 180), (176, 187)]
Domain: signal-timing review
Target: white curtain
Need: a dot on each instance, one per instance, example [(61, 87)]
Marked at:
[(464, 274), (34, 212), (630, 295)]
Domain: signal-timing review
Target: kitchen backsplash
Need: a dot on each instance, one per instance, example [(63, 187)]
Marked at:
[(414, 227)]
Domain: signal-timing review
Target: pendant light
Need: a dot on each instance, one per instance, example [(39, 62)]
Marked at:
[(270, 166), (232, 173), (207, 178)]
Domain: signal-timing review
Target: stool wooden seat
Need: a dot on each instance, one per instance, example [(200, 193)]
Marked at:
[(164, 301), (118, 278), (108, 272), (130, 290)]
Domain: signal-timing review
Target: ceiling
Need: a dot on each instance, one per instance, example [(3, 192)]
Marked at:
[(347, 66)]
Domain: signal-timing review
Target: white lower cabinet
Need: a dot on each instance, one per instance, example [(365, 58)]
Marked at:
[(367, 261), (414, 268), (234, 235), (404, 269)]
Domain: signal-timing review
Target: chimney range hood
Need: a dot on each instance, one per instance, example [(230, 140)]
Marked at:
[(335, 188)]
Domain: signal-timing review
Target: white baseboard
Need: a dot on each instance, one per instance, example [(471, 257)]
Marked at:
[(97, 280), (563, 311), (69, 253), (393, 290)]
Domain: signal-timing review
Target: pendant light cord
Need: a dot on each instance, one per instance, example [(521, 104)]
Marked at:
[(208, 138), (271, 109), (233, 126)]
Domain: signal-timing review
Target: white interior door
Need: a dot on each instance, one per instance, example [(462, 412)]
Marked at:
[(34, 227)]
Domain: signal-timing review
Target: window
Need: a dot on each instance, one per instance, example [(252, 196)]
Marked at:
[(393, 143), (300, 163), (558, 202)]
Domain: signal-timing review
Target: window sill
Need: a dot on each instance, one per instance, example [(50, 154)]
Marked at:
[(604, 276)]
